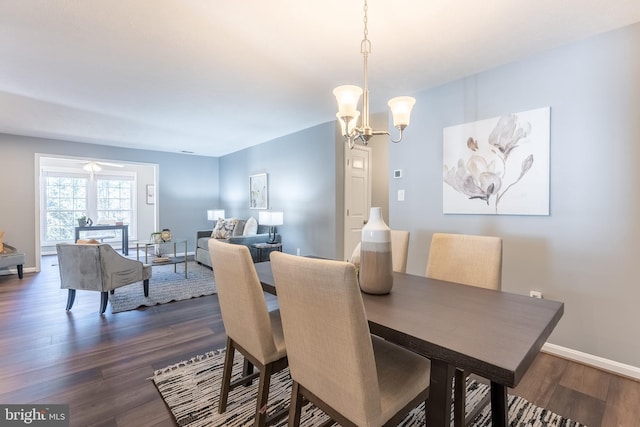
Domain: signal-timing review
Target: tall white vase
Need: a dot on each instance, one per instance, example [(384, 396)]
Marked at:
[(376, 266)]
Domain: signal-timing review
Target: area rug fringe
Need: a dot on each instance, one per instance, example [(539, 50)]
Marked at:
[(191, 390), (158, 373)]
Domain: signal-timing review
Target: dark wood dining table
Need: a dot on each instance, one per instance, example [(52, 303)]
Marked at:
[(493, 334)]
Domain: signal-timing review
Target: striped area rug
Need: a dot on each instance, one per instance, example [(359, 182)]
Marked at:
[(191, 390)]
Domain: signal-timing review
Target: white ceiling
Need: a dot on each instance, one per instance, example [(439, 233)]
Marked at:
[(215, 76)]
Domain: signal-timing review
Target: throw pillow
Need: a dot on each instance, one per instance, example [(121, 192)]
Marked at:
[(224, 228), (87, 242), (251, 227), (239, 228)]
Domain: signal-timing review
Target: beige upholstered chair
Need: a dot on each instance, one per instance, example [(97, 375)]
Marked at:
[(98, 268), (251, 329), (399, 251), (335, 363), (469, 260)]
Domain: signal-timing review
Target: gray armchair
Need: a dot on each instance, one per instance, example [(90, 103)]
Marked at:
[(98, 268)]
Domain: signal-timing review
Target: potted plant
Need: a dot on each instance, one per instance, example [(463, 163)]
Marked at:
[(82, 221)]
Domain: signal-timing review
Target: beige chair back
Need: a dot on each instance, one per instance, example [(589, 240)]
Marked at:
[(399, 251), (328, 340), (242, 303), (467, 259)]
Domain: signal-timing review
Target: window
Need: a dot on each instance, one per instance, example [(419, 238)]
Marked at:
[(114, 199), (68, 195), (65, 200)]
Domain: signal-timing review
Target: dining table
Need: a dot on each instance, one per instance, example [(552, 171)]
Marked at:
[(493, 334)]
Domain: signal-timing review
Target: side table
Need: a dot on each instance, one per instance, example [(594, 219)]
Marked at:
[(268, 247)]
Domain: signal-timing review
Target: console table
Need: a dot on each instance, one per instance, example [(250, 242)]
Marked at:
[(124, 228)]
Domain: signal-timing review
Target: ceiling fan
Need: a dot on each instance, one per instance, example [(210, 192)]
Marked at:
[(95, 166)]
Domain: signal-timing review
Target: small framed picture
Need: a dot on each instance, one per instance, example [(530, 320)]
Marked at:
[(258, 191), (151, 194)]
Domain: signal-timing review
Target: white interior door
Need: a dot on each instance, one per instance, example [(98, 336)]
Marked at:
[(357, 194)]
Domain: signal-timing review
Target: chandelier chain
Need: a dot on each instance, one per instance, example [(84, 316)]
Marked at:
[(365, 47)]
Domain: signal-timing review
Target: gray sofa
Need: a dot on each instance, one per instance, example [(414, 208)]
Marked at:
[(202, 243)]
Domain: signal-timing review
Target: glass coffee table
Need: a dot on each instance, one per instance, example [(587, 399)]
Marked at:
[(163, 253)]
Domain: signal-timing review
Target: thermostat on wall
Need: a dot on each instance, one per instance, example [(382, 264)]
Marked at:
[(397, 173)]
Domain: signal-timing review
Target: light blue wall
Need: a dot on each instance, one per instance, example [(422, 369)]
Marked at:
[(585, 252), (304, 182), (188, 186)]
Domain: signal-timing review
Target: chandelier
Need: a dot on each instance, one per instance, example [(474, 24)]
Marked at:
[(348, 97)]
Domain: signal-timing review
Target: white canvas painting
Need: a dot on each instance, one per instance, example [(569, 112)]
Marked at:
[(498, 166)]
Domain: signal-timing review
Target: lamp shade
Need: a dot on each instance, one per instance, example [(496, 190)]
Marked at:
[(271, 218), (214, 214), (348, 97), (401, 110), (347, 129)]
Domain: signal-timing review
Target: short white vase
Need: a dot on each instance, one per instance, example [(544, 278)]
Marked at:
[(376, 265)]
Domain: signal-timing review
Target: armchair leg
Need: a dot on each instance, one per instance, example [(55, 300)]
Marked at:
[(145, 286), (71, 297), (20, 271), (104, 298)]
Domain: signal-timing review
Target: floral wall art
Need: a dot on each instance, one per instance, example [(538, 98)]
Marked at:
[(258, 191), (498, 165)]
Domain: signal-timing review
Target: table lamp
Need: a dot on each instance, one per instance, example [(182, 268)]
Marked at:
[(271, 218)]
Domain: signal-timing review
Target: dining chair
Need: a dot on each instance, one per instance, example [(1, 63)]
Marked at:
[(470, 260), (335, 363), (251, 329), (399, 251)]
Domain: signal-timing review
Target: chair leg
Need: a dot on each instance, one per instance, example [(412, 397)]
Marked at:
[(104, 299), (247, 372), (263, 395), (145, 286), (459, 399), (226, 376), (71, 297), (20, 273), (295, 407)]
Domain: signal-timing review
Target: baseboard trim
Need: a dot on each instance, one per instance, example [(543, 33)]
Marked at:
[(13, 270), (612, 366)]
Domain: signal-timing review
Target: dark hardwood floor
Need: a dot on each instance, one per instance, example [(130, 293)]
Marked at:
[(101, 365)]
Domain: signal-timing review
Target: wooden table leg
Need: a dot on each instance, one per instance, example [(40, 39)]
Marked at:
[(499, 407), (439, 413)]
